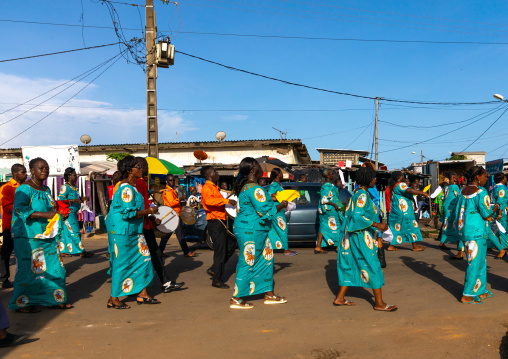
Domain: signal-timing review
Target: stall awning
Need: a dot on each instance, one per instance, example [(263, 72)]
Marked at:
[(107, 167), (5, 174)]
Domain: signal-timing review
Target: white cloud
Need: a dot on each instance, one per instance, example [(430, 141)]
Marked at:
[(99, 119), (235, 118)]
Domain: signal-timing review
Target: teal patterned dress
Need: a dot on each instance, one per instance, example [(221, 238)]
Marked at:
[(70, 243), (471, 213), (450, 233), (254, 271), (132, 269), (357, 261), (402, 219), (330, 221), (279, 232), (40, 275), (500, 196)]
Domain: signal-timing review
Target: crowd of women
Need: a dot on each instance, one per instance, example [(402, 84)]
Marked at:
[(43, 230)]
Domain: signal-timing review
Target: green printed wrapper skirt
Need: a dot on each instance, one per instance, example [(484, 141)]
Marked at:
[(279, 232), (132, 270), (70, 242), (330, 226), (475, 283), (254, 271)]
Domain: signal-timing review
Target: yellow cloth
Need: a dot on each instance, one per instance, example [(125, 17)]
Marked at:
[(287, 195)]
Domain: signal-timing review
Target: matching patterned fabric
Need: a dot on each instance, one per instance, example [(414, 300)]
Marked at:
[(279, 232), (330, 221), (402, 219), (500, 195), (70, 242), (450, 233)]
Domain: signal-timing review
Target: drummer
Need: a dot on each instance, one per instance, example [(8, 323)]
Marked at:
[(171, 199)]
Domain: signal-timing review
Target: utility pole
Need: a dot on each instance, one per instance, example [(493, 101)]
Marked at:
[(421, 152), (376, 133), (151, 78)]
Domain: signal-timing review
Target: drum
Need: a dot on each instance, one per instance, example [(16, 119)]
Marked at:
[(169, 219), (231, 210), (189, 215)]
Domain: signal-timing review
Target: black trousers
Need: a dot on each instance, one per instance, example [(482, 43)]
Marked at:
[(155, 254), (6, 251), (179, 235), (224, 247)]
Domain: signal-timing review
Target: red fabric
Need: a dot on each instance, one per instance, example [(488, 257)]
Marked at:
[(7, 198), (142, 188), (388, 199), (63, 207), (110, 192)]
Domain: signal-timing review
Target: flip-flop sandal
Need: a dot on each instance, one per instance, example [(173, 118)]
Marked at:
[(387, 308), (346, 303), (319, 252), (393, 250), (292, 253), (275, 300), (114, 306), (419, 249), (476, 300), (239, 304), (29, 310), (489, 295)]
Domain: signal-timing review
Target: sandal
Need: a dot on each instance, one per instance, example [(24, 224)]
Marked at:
[(388, 308), (419, 249), (86, 255), (489, 295), (191, 254), (275, 299), (147, 301), (292, 253), (322, 251), (114, 306), (28, 310), (392, 250), (475, 300), (346, 303), (64, 306), (235, 303)]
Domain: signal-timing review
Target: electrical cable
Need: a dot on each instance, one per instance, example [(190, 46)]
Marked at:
[(332, 91), (488, 128), (77, 93), (59, 52)]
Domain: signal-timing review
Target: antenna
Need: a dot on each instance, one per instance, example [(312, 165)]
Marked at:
[(281, 133)]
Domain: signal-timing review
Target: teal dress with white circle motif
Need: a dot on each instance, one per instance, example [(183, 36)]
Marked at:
[(330, 220), (254, 270), (40, 275), (279, 232), (70, 243), (357, 261), (402, 219), (132, 268), (450, 233), (500, 196)]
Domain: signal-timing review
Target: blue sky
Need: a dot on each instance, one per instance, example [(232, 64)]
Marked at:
[(197, 99)]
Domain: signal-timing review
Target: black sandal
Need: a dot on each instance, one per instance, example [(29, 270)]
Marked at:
[(147, 301), (114, 306), (28, 310)]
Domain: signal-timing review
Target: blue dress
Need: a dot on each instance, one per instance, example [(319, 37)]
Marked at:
[(472, 212), (132, 269), (254, 271), (330, 221), (70, 243), (402, 219), (279, 232), (40, 275), (450, 233), (357, 261)]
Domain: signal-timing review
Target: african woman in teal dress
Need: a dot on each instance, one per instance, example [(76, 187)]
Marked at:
[(40, 276), (70, 242), (132, 269), (402, 219), (357, 261), (279, 232), (449, 232), (330, 216), (473, 212), (254, 271), (500, 196)]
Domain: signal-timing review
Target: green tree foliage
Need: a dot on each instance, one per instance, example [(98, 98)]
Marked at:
[(456, 158), (117, 156)]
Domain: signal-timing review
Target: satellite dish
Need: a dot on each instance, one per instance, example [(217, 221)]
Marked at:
[(86, 139), (220, 136), (200, 155)]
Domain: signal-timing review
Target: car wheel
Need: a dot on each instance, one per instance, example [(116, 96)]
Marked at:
[(208, 240)]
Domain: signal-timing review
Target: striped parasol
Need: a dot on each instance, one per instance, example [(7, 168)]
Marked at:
[(157, 166)]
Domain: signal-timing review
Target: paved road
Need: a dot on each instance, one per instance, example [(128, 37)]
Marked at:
[(197, 322)]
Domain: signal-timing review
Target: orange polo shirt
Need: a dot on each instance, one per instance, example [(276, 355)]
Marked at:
[(7, 199), (171, 199), (213, 202)]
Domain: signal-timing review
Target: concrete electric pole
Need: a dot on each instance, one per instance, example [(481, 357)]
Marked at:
[(151, 77), (376, 133)]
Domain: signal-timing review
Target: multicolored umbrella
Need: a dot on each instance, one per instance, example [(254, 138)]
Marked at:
[(156, 166)]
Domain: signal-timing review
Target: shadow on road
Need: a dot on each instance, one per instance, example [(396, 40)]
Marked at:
[(428, 270), (333, 283)]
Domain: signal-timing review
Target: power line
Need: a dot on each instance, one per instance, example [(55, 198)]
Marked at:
[(70, 98), (59, 52), (488, 128), (336, 133), (332, 91)]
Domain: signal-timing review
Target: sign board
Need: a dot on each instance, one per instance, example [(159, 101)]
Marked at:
[(58, 157), (494, 167)]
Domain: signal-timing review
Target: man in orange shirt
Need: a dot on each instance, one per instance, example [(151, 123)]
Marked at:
[(7, 200), (171, 199), (223, 245)]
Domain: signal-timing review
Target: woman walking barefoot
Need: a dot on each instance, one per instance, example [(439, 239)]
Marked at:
[(357, 261)]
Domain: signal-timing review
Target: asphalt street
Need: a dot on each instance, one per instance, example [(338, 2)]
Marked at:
[(196, 322)]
